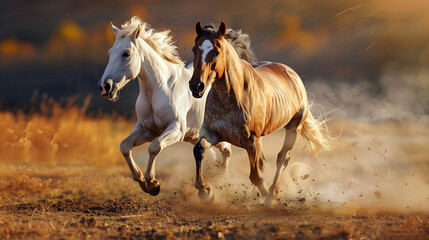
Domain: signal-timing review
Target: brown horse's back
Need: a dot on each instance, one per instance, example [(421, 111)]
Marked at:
[(277, 94)]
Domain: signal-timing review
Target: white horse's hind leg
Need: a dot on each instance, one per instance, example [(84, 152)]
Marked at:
[(171, 135), (138, 136), (225, 151), (283, 156)]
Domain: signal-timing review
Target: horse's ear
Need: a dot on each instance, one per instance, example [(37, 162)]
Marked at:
[(136, 33), (115, 29), (198, 28), (222, 30)]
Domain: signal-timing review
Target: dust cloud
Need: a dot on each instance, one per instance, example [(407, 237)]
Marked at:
[(398, 95)]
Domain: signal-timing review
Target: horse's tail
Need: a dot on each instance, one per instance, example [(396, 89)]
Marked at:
[(316, 132), (241, 43)]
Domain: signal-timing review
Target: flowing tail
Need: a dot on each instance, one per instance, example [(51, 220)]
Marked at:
[(316, 132)]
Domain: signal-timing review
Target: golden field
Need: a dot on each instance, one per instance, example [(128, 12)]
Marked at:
[(61, 133)]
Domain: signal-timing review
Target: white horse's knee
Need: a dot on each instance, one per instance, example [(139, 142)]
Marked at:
[(125, 147), (155, 147)]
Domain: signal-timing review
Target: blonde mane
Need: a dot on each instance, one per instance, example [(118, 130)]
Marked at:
[(161, 42)]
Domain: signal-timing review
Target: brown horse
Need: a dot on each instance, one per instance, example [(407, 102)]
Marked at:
[(246, 103)]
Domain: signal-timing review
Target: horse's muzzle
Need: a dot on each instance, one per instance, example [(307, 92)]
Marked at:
[(197, 89), (106, 88)]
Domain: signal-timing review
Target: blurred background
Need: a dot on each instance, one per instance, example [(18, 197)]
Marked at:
[(371, 49)]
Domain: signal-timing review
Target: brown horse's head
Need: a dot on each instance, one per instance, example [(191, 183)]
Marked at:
[(209, 59)]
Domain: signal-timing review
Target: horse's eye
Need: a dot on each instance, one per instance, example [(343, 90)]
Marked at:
[(216, 53), (126, 54)]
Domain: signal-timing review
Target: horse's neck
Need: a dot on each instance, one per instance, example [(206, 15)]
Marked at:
[(155, 70), (230, 87)]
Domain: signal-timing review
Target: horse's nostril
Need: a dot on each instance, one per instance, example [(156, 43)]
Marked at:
[(107, 86), (200, 87)]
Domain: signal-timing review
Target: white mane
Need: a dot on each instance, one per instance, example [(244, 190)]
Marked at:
[(161, 42)]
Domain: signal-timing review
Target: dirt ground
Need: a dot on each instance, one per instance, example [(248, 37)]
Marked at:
[(169, 218), (373, 185)]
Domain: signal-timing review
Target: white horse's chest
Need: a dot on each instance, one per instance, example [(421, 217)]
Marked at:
[(163, 102), (144, 112), (154, 112)]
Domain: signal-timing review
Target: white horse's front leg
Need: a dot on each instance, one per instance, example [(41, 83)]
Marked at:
[(138, 136), (171, 135)]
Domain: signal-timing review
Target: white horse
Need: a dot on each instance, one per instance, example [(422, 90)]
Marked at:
[(166, 111)]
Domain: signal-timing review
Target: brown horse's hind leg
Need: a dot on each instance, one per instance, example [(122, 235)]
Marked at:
[(256, 160), (283, 156)]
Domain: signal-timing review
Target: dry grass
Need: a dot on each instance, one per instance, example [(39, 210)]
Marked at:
[(61, 133), (59, 152)]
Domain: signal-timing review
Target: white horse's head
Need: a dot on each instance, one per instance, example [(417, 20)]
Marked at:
[(124, 63)]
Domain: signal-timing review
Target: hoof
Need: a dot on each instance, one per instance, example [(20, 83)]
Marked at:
[(270, 202), (142, 184), (153, 187), (156, 190), (206, 196)]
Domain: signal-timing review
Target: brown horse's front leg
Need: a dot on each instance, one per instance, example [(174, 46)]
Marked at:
[(206, 195)]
